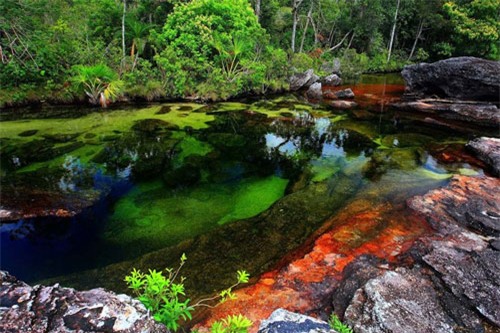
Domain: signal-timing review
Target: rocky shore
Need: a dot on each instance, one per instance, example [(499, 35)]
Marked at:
[(464, 89)]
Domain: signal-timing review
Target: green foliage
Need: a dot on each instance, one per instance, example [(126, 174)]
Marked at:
[(167, 301), (232, 324), (205, 39), (476, 26), (337, 325), (353, 64), (99, 82)]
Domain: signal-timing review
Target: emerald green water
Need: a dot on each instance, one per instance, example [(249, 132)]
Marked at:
[(92, 193)]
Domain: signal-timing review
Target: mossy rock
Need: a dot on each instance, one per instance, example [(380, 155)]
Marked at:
[(89, 135), (165, 109), (153, 126), (185, 108), (28, 133)]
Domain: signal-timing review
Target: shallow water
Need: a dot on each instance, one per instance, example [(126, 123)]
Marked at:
[(234, 185)]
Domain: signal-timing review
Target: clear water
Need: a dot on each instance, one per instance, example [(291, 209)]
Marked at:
[(234, 185)]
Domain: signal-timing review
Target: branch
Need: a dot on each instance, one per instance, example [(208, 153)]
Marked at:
[(340, 43)]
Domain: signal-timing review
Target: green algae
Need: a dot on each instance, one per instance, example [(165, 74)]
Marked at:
[(191, 146), (254, 197), (165, 217)]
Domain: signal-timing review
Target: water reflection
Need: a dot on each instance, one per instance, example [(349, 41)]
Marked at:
[(154, 184)]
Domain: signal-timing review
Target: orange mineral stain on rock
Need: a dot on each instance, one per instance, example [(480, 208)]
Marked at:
[(382, 231)]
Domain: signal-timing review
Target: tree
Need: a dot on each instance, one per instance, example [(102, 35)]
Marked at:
[(192, 35), (476, 26)]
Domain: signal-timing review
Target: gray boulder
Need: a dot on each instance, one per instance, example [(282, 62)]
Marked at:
[(398, 301), (303, 80), (332, 80), (283, 321), (55, 309), (314, 91), (464, 78)]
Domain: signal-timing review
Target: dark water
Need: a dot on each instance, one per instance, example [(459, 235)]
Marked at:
[(233, 185)]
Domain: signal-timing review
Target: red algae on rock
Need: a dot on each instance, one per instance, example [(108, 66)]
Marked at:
[(305, 284)]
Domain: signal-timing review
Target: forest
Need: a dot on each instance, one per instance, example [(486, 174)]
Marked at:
[(98, 51)]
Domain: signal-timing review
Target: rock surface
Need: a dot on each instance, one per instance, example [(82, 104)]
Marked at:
[(480, 113), (340, 94), (42, 309), (314, 91), (464, 78), (283, 321), (398, 301), (488, 151), (332, 80), (303, 80)]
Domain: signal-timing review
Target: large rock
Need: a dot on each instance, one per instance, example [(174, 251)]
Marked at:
[(303, 80), (488, 151), (332, 80), (340, 94), (464, 78), (480, 113), (283, 321), (55, 309), (467, 202), (314, 91), (398, 301), (474, 275)]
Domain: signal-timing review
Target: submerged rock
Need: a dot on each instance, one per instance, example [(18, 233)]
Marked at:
[(28, 133), (152, 126), (488, 151), (43, 309), (283, 321), (465, 78)]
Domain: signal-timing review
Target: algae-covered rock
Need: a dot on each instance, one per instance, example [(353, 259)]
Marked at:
[(61, 137)]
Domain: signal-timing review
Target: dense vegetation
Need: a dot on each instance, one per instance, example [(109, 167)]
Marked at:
[(62, 50)]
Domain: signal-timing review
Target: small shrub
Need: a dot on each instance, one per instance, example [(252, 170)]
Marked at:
[(166, 299), (337, 325), (232, 324)]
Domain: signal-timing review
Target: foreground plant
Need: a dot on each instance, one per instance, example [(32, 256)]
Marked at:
[(337, 325), (167, 301), (100, 83), (232, 324)]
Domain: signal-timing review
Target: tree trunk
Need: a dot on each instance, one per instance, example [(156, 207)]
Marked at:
[(295, 11), (123, 26), (419, 33), (393, 32), (257, 9), (305, 30)]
